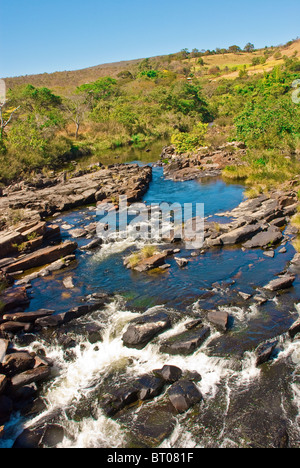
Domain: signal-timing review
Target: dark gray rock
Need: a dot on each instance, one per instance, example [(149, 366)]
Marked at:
[(265, 351), (145, 387), (295, 329), (272, 236), (169, 373), (187, 342), (183, 395), (239, 235), (143, 329), (153, 425)]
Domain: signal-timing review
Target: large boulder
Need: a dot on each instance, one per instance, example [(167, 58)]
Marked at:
[(143, 329), (183, 395), (145, 387), (187, 342)]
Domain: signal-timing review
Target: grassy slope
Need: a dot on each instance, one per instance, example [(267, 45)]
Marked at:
[(63, 82)]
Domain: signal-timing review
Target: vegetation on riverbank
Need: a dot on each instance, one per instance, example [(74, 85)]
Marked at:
[(248, 96)]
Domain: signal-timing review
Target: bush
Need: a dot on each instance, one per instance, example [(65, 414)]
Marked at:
[(189, 142)]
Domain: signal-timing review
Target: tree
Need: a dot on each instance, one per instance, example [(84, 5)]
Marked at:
[(77, 107), (234, 49), (249, 47), (5, 118)]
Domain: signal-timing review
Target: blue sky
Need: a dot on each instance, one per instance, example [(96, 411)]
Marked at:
[(45, 36)]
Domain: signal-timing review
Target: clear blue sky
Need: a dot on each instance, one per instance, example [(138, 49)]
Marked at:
[(44, 36)]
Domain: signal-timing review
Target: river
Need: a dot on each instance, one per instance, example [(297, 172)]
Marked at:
[(243, 406)]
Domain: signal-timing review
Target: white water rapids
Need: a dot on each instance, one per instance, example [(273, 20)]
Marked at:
[(92, 363)]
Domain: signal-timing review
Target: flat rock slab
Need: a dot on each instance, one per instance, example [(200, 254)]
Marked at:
[(42, 257), (150, 263), (263, 239), (143, 329), (239, 235), (30, 376), (183, 395), (29, 317), (187, 342), (284, 282)]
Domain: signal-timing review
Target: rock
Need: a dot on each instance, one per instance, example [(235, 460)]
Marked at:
[(8, 243), (68, 282), (93, 245), (48, 436), (77, 233), (183, 395), (16, 363), (294, 329), (219, 318), (14, 328), (181, 262), (245, 296), (42, 257), (28, 317), (73, 314), (150, 263), (145, 387), (153, 425), (187, 342), (33, 375), (283, 282), (169, 373), (240, 235), (14, 297), (143, 329), (263, 239), (269, 253), (264, 352)]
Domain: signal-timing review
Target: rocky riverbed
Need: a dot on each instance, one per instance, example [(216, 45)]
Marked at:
[(103, 367)]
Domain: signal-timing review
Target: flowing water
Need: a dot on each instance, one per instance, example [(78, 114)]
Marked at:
[(243, 406)]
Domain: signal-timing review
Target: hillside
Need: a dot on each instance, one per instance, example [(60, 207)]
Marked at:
[(68, 80), (192, 99)]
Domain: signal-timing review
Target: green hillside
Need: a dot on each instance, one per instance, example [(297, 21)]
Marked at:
[(247, 93)]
